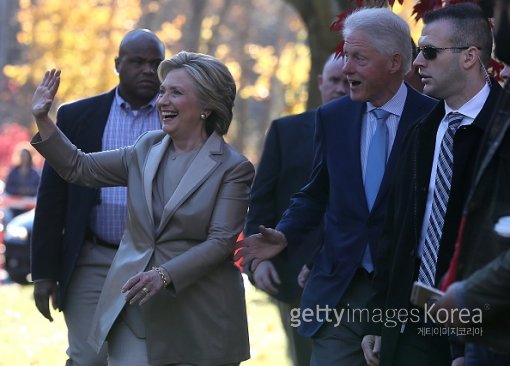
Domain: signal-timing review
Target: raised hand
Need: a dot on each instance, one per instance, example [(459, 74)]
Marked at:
[(45, 94), (258, 247)]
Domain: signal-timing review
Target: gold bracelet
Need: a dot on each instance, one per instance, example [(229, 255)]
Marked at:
[(162, 275)]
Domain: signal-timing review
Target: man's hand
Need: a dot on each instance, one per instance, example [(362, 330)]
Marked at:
[(448, 302), (371, 346), (258, 247), (303, 276), (43, 291), (265, 276)]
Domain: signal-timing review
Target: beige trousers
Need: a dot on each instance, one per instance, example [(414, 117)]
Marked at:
[(81, 301)]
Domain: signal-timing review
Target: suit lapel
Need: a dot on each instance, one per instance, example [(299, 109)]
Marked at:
[(89, 133), (151, 167), (411, 112), (353, 133), (201, 167)]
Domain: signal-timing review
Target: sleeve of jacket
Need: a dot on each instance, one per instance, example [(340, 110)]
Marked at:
[(309, 204), (490, 285), (98, 169), (262, 208)]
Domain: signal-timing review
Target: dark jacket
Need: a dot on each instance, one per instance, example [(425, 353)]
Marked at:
[(484, 261), (398, 261), (284, 168), (336, 193), (63, 209)]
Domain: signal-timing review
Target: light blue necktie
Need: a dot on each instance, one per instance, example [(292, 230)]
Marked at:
[(376, 157), (374, 172)]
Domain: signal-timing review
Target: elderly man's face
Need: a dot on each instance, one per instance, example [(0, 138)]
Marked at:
[(502, 30), (372, 76)]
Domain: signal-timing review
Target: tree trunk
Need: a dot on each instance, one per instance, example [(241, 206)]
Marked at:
[(317, 16)]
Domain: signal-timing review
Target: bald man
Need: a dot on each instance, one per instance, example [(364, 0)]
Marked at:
[(284, 168), (77, 230)]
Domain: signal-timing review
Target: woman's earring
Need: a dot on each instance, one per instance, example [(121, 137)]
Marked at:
[(203, 115)]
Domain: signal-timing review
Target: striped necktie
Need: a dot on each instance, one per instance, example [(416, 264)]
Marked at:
[(434, 232)]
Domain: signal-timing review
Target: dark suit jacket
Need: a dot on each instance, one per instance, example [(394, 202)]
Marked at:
[(63, 209), (336, 193), (484, 260), (284, 168), (398, 262)]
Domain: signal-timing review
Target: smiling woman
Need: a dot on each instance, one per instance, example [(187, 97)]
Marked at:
[(211, 81), (173, 283), (182, 114)]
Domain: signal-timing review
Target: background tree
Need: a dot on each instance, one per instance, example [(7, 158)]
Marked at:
[(317, 16), (275, 49), (263, 42)]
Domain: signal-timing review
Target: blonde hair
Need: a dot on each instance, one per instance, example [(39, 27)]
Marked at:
[(215, 86)]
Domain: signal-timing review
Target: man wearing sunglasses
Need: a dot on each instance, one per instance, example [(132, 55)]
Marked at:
[(480, 270), (432, 182)]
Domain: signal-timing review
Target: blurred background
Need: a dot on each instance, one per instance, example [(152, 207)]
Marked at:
[(274, 48)]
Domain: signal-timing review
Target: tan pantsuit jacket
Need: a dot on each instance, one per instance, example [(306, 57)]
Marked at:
[(201, 318)]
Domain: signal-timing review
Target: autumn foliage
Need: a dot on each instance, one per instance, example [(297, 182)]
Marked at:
[(263, 44)]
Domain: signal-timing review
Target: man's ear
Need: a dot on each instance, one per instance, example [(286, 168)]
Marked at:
[(396, 63), (117, 62), (471, 57)]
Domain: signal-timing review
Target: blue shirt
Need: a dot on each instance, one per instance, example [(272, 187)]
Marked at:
[(123, 127)]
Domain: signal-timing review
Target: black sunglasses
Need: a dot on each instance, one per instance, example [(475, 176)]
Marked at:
[(430, 53)]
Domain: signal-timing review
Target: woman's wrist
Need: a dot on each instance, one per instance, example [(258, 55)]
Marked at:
[(163, 275)]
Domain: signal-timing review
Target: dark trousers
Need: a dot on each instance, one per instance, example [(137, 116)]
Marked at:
[(419, 348), (336, 343)]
